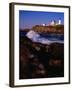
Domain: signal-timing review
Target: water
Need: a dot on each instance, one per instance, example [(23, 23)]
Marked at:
[(43, 38), (22, 33), (53, 36)]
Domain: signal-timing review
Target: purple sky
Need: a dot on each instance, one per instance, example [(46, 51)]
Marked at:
[(27, 19)]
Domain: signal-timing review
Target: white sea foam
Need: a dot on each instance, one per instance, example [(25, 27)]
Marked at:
[(35, 37)]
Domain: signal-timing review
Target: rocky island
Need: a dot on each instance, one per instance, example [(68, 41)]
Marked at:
[(59, 29)]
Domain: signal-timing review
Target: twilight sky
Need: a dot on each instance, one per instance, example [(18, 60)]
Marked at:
[(27, 19)]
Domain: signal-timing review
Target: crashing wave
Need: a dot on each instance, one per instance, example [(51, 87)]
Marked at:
[(35, 37)]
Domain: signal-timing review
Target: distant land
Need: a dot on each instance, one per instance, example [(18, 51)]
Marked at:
[(59, 29)]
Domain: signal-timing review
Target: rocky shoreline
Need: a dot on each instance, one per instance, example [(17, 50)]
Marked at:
[(57, 29), (40, 60)]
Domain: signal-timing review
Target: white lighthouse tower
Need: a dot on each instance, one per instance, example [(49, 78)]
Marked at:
[(59, 22)]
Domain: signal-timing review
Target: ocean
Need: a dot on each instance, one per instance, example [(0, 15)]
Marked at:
[(43, 37)]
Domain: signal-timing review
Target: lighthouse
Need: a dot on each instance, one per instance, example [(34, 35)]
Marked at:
[(59, 22)]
